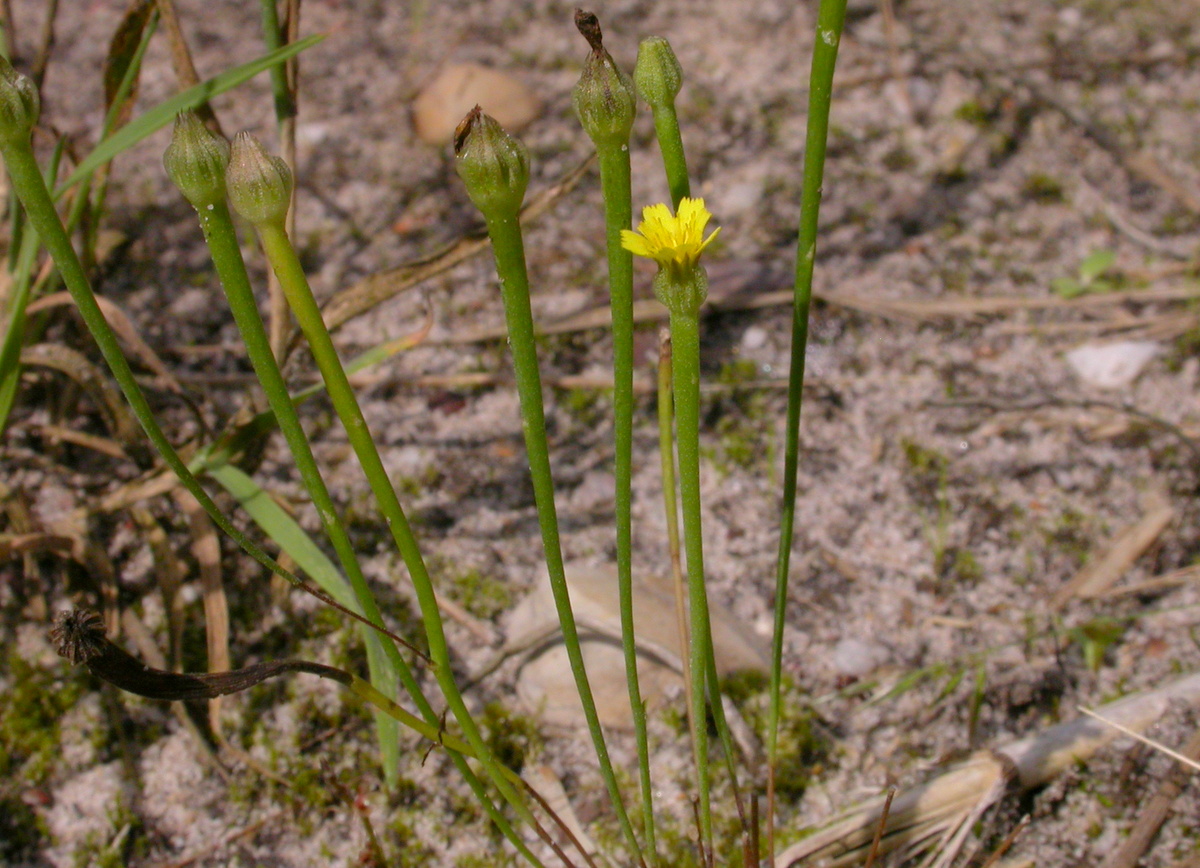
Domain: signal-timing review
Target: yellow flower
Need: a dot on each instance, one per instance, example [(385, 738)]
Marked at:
[(674, 241)]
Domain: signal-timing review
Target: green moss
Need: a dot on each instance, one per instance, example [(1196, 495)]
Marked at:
[(1042, 188), (973, 112), (965, 568), (21, 830), (489, 860), (483, 596), (129, 843), (512, 737), (740, 421), (802, 749), (35, 701), (588, 407), (899, 159), (922, 460), (409, 851), (1071, 533)]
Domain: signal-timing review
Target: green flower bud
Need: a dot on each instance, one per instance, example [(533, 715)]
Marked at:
[(494, 166), (18, 104), (604, 98), (260, 185), (657, 74), (196, 160)]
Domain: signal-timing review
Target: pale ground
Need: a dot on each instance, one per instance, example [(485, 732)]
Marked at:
[(979, 150)]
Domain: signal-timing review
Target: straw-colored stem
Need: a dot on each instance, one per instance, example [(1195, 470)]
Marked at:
[(666, 453)]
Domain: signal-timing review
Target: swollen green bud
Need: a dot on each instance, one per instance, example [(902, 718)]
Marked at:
[(604, 98), (196, 160), (18, 104), (260, 185), (657, 73), (494, 166)]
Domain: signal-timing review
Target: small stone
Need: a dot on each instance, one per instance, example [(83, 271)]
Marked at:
[(754, 338), (1113, 365), (545, 683), (855, 658), (458, 88)]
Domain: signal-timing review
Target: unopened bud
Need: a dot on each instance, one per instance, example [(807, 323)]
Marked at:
[(196, 161), (657, 74), (18, 104), (604, 98), (260, 185), (494, 166)]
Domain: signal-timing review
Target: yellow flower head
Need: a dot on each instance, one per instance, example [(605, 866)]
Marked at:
[(674, 241)]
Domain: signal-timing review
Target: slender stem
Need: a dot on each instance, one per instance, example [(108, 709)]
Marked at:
[(508, 246), (285, 112), (221, 236), (31, 189), (304, 306), (685, 338), (670, 142), (285, 106), (618, 215), (830, 18), (21, 290), (666, 452)]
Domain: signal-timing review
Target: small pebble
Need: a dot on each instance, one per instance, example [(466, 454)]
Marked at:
[(458, 88), (856, 658), (754, 338), (1112, 365)]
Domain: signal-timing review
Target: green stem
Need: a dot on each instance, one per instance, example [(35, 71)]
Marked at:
[(221, 236), (508, 246), (666, 452), (285, 106), (459, 749), (308, 315), (670, 142), (830, 18), (31, 189), (618, 215), (685, 340), (21, 290)]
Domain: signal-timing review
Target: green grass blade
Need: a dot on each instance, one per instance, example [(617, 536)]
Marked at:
[(291, 538), (285, 532), (164, 113)]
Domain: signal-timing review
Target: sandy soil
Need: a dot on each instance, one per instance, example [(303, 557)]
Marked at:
[(957, 471)]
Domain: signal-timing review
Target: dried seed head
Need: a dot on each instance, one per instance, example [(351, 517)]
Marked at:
[(78, 635), (604, 98)]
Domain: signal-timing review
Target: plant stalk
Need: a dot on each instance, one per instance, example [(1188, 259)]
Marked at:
[(304, 307), (508, 246), (830, 19)]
